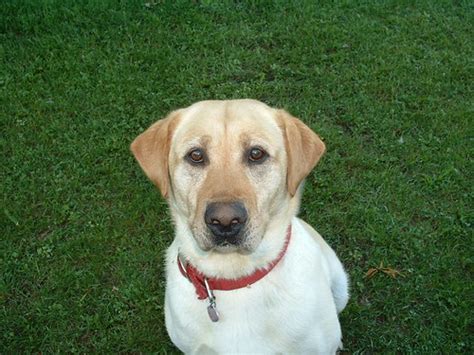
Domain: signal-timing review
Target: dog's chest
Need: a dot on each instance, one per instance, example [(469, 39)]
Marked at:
[(284, 312), (251, 319)]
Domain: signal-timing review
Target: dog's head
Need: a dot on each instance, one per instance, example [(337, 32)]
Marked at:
[(228, 168)]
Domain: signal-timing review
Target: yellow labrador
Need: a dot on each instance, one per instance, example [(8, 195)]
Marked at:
[(244, 274)]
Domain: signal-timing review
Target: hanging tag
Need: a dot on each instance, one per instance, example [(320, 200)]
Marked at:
[(212, 311)]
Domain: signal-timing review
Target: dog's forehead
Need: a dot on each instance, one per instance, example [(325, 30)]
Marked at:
[(228, 120)]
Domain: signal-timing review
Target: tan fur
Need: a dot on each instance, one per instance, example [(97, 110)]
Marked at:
[(227, 185), (304, 149), (151, 149)]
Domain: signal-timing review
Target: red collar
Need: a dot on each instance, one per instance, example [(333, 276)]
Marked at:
[(197, 278)]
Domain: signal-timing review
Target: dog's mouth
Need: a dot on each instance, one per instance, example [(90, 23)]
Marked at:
[(235, 245), (209, 242)]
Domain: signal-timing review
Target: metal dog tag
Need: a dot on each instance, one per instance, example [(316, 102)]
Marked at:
[(212, 311)]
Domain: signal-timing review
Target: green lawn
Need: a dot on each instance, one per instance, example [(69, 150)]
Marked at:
[(387, 84)]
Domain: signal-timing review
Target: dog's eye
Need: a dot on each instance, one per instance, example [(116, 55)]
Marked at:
[(196, 156), (257, 155)]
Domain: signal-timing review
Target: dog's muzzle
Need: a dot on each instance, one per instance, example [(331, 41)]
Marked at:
[(226, 221)]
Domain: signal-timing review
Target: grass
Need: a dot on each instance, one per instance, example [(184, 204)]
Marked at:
[(388, 84)]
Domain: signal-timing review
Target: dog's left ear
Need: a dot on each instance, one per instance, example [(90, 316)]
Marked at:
[(152, 148), (304, 148)]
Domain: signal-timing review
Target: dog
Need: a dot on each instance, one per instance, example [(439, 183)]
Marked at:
[(244, 274)]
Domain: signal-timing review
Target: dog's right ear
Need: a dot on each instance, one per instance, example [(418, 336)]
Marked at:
[(152, 148)]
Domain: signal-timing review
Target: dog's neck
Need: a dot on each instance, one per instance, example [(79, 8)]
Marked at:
[(235, 265), (203, 284)]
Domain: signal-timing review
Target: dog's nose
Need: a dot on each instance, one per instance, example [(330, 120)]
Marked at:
[(225, 219)]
